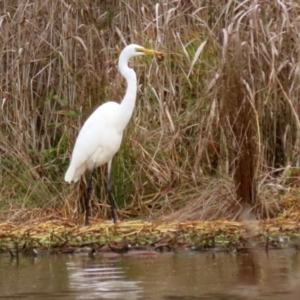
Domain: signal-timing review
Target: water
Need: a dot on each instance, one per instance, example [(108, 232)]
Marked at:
[(185, 276)]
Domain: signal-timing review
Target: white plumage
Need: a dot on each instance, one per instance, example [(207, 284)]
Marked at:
[(101, 135), (98, 141)]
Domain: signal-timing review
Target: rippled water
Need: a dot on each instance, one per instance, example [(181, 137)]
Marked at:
[(185, 276), (93, 281)]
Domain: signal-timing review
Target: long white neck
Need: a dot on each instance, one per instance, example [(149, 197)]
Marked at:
[(128, 103)]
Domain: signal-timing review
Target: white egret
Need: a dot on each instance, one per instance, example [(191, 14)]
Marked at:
[(100, 137)]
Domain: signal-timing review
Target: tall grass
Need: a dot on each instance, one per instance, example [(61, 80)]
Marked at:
[(222, 107)]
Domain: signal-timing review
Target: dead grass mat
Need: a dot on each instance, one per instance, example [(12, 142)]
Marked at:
[(62, 234)]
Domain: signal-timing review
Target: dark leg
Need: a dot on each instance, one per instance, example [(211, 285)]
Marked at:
[(88, 197), (110, 194)]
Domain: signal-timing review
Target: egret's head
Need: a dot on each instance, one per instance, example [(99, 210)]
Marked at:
[(136, 50)]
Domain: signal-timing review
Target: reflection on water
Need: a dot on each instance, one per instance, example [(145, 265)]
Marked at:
[(91, 280), (185, 276)]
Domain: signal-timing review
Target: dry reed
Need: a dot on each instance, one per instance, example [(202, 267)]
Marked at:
[(58, 63)]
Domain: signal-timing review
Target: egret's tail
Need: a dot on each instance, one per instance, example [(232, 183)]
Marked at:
[(74, 172), (69, 176)]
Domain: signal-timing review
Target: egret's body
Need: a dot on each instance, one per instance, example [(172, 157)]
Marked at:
[(101, 135), (97, 143)]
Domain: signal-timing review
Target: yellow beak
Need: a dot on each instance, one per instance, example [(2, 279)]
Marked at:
[(149, 51)]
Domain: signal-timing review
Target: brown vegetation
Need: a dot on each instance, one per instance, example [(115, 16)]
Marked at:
[(221, 110)]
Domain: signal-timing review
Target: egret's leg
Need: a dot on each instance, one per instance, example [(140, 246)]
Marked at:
[(88, 197), (110, 194)]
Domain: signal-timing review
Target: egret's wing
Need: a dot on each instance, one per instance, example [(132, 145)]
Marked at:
[(103, 116), (94, 138)]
